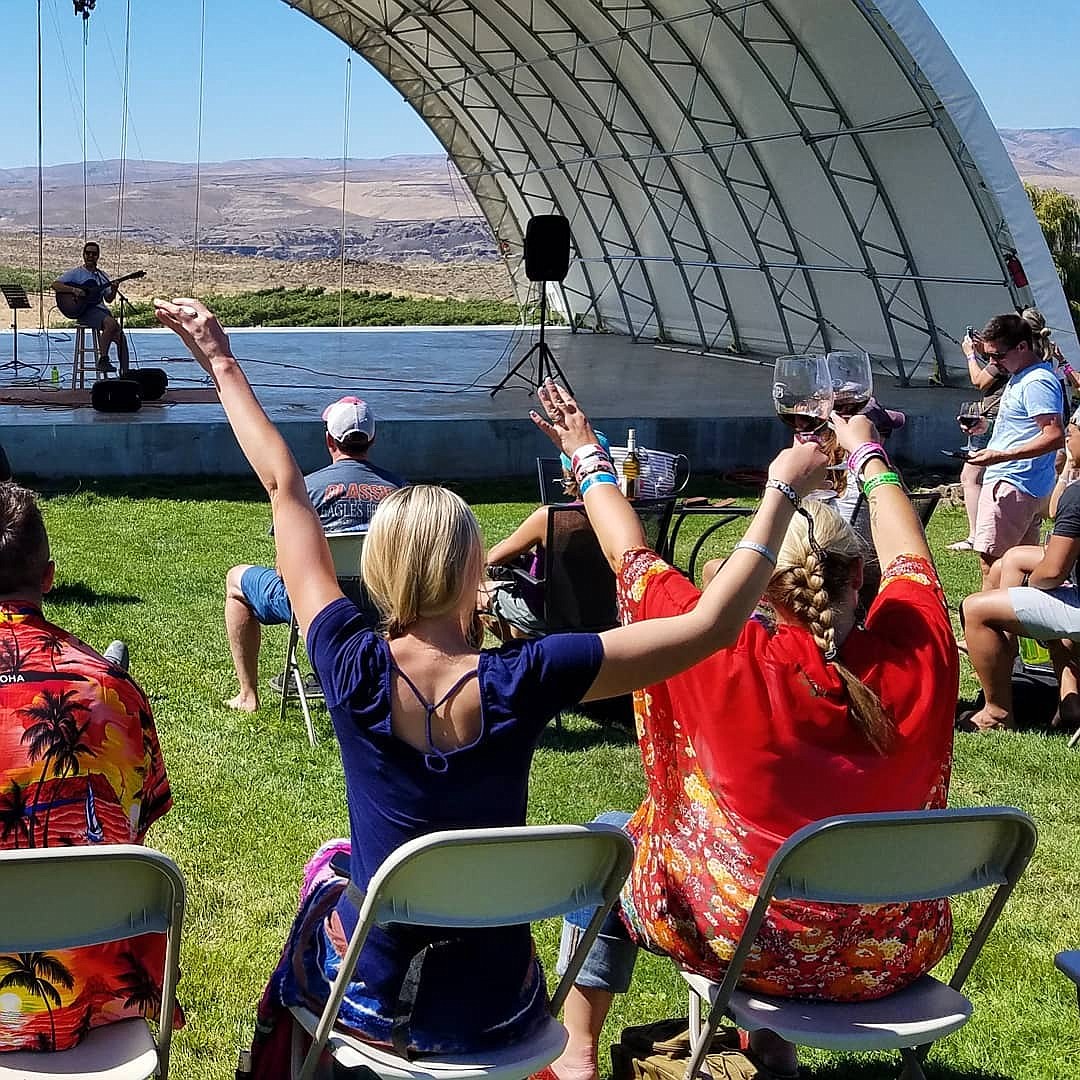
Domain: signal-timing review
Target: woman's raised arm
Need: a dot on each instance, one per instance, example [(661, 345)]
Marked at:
[(303, 556), (650, 651)]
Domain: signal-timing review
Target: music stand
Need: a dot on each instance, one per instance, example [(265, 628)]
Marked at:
[(16, 298), (546, 364)]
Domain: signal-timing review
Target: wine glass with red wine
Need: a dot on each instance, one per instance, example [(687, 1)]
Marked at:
[(852, 381), (803, 392), (969, 416)]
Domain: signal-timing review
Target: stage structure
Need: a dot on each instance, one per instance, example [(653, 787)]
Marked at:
[(753, 176)]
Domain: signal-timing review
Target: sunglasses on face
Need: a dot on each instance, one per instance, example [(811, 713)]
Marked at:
[(991, 355)]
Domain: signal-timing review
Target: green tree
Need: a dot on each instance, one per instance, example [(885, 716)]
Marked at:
[(1058, 214), (37, 973)]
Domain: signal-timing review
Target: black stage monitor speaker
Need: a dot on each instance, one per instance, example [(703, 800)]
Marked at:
[(547, 247), (116, 395), (153, 382)]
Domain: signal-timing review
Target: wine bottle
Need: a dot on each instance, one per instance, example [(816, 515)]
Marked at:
[(631, 468)]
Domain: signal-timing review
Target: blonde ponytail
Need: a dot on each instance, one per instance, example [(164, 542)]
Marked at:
[(814, 567)]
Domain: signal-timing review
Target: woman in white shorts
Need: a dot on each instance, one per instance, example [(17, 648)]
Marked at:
[(1044, 605)]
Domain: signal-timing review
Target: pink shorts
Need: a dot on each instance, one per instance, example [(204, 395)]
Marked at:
[(1007, 517)]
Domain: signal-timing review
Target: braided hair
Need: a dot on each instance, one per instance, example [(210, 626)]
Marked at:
[(814, 568)]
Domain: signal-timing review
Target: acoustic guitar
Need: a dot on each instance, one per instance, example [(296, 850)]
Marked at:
[(74, 307)]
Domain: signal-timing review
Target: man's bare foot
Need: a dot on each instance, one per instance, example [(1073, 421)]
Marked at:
[(243, 703), (987, 719)]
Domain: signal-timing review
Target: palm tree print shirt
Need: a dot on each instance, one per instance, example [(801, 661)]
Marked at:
[(79, 764)]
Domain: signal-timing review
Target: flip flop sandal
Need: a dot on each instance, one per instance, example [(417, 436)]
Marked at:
[(963, 545)]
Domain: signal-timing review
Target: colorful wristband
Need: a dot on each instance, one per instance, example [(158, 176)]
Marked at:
[(877, 481), (863, 454), (760, 549), (589, 450), (786, 490), (598, 478)]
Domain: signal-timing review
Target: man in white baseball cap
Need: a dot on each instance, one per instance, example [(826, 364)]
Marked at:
[(345, 495)]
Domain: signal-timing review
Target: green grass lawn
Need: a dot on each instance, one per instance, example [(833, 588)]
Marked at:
[(146, 562)]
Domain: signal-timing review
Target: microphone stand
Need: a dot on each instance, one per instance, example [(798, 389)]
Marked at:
[(122, 353)]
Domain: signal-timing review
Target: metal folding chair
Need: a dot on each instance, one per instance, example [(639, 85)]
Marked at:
[(62, 898), (874, 859), (345, 549), (467, 879)]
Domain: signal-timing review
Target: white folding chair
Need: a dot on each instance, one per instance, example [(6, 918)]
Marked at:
[(874, 859), (476, 878), (345, 549), (61, 898)]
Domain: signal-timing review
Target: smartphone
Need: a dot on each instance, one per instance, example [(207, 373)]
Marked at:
[(340, 864)]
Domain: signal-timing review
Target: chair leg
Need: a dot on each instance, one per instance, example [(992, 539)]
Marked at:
[(292, 677), (695, 1018), (299, 680), (913, 1060)]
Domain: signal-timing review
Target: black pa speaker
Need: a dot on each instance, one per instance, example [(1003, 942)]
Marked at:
[(153, 382), (116, 395), (547, 247)]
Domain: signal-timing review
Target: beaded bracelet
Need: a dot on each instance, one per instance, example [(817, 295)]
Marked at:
[(760, 549), (589, 450), (864, 454), (879, 480), (786, 490), (592, 465), (598, 478)]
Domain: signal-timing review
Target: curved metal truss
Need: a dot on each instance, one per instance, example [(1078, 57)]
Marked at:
[(745, 175)]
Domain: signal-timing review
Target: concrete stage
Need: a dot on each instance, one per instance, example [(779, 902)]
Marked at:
[(714, 409)]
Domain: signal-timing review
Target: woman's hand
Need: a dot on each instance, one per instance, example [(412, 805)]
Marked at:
[(971, 345), (852, 432), (197, 327), (566, 425), (801, 467)]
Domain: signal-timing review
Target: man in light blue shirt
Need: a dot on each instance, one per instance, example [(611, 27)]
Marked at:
[(83, 284), (1027, 434)]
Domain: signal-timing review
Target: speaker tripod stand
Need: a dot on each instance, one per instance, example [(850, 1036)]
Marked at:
[(546, 364)]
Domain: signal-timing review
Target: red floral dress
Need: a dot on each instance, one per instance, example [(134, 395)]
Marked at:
[(755, 742), (79, 764)]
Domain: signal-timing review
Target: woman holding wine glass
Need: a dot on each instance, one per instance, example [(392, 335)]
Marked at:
[(975, 420)]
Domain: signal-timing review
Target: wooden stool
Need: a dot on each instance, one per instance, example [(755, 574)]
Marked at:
[(81, 366)]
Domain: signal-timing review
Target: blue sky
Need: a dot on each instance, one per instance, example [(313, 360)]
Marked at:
[(275, 80)]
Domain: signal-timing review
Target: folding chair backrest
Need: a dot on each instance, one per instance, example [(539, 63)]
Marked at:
[(345, 549), (925, 503), (884, 858), (60, 898), (499, 877), (549, 477), (488, 877), (579, 587)]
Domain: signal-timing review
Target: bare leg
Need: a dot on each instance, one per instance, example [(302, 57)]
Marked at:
[(584, 1014), (986, 563), (989, 618), (1063, 655), (971, 483), (245, 637), (110, 334)]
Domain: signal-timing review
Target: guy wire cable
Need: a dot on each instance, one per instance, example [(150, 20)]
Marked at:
[(198, 151)]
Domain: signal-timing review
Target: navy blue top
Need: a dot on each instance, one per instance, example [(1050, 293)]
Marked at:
[(397, 792)]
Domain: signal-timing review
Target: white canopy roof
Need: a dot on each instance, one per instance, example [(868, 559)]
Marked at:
[(764, 176)]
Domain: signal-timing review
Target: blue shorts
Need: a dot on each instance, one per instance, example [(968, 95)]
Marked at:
[(264, 592), (609, 964), (94, 317)]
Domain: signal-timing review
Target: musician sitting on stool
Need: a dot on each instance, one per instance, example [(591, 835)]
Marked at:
[(83, 281)]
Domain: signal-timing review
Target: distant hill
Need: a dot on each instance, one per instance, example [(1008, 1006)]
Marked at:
[(1048, 158), (405, 209)]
